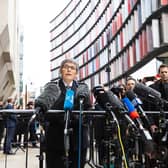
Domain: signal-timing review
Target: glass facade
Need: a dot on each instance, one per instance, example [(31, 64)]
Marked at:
[(122, 35)]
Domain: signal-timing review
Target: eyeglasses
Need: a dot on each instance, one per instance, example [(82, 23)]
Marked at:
[(69, 67)]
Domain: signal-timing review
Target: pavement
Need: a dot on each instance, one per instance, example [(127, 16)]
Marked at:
[(19, 159)]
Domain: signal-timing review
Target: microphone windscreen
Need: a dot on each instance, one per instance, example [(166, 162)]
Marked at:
[(82, 91), (145, 91), (115, 101), (133, 98), (97, 90), (130, 94), (107, 97), (48, 97), (102, 99)]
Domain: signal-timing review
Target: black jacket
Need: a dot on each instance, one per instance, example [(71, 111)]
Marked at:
[(56, 123), (11, 119), (154, 104), (163, 89)]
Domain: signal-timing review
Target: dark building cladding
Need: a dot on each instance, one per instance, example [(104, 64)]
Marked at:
[(110, 39)]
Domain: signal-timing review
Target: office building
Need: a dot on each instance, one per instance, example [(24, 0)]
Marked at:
[(9, 56), (110, 39)]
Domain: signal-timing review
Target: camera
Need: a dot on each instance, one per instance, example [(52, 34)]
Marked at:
[(97, 90), (117, 90)]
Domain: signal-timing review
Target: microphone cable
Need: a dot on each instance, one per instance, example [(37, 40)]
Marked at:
[(120, 139)]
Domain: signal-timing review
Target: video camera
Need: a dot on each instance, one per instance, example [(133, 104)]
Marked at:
[(117, 90)]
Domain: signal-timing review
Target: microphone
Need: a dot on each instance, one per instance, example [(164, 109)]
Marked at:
[(137, 104), (145, 91), (97, 90), (135, 116), (82, 91), (69, 100), (48, 97), (131, 109), (103, 97), (106, 99), (134, 99), (83, 95)]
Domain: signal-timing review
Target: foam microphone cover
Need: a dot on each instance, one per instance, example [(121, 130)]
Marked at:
[(130, 94), (97, 90), (145, 91), (134, 99), (82, 91), (115, 101), (48, 97), (102, 99), (107, 97)]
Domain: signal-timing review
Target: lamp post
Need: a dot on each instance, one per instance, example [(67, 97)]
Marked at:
[(25, 95), (30, 92)]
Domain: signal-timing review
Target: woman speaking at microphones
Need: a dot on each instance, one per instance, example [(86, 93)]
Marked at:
[(54, 97)]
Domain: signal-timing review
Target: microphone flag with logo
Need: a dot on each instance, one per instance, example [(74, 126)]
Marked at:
[(69, 100)]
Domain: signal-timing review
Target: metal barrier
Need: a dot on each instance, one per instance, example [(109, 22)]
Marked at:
[(49, 112), (32, 113)]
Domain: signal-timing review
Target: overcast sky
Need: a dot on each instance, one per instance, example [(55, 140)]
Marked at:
[(35, 16)]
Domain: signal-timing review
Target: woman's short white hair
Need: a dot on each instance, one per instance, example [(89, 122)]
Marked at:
[(69, 60)]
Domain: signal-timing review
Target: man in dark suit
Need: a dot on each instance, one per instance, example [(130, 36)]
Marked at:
[(161, 85), (55, 151), (10, 124)]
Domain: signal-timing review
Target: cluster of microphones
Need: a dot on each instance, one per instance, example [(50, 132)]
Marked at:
[(126, 106), (130, 106), (52, 93)]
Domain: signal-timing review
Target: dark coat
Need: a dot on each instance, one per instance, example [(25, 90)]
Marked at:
[(163, 89), (11, 119), (155, 105), (56, 124)]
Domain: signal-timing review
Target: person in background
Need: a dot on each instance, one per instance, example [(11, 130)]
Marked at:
[(130, 83), (10, 124), (55, 151), (119, 90), (21, 130), (32, 130), (161, 85), (149, 148), (2, 126)]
